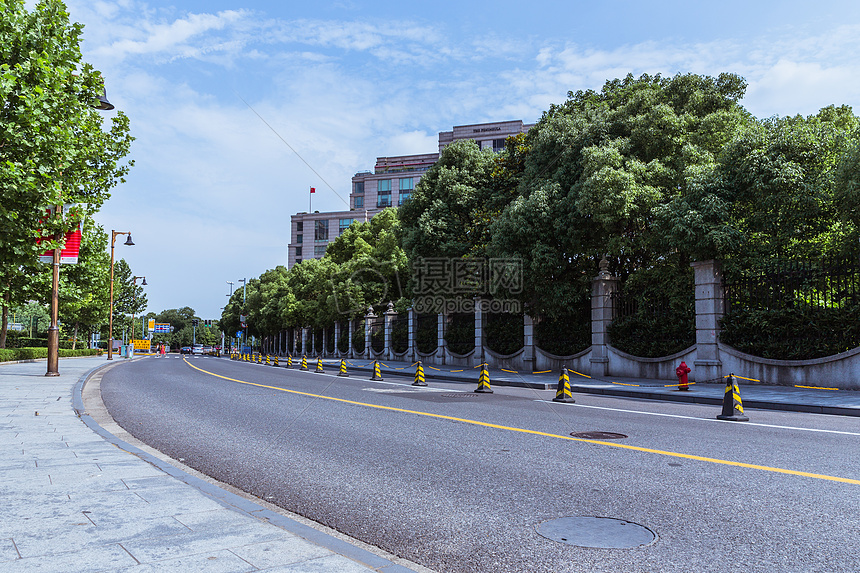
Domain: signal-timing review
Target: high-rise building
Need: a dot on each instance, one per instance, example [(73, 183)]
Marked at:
[(389, 184)]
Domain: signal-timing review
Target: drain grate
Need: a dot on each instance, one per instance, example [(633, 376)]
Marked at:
[(460, 395), (601, 532), (598, 435)]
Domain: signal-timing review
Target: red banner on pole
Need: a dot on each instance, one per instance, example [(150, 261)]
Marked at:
[(71, 246)]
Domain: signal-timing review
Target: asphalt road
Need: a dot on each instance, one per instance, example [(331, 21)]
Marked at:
[(459, 482)]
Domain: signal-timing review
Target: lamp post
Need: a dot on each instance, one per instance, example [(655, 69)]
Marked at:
[(245, 328), (130, 243), (54, 329), (134, 282), (229, 296)]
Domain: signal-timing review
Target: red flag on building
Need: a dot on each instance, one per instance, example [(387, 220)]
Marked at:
[(313, 190)]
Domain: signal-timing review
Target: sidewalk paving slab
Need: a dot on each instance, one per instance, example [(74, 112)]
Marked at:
[(77, 498)]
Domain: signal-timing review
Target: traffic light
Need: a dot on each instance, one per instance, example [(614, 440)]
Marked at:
[(194, 322)]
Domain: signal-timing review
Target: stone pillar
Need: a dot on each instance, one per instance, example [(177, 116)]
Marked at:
[(351, 352), (602, 287), (441, 345), (412, 350), (390, 314), (478, 355), (528, 343), (368, 332), (710, 308), (305, 341), (337, 339)]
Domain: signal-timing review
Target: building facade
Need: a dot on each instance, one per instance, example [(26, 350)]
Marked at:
[(389, 184)]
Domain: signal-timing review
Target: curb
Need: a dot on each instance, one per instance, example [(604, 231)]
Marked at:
[(691, 398), (232, 500)]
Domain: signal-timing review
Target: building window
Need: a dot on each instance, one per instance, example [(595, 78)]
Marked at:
[(498, 145), (299, 238), (344, 225), (383, 193), (359, 202), (321, 230), (319, 251), (298, 251), (300, 226), (358, 187), (407, 184)]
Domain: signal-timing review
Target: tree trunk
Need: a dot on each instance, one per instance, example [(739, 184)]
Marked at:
[(6, 300), (75, 337)]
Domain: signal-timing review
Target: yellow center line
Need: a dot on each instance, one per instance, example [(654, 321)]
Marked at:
[(538, 433)]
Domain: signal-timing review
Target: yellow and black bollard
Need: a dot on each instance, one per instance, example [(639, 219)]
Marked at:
[(377, 373), (343, 371), (304, 365), (319, 369), (733, 408), (484, 381), (419, 375), (562, 393), (289, 360), (268, 360), (275, 360)]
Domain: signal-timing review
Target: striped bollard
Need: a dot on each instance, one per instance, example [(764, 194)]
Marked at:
[(304, 365), (419, 375), (343, 371), (377, 373), (484, 381), (733, 408), (319, 369), (562, 393)]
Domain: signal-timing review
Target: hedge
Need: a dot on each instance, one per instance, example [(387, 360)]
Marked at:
[(12, 354)]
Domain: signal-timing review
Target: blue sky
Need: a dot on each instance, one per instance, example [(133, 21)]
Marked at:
[(210, 197)]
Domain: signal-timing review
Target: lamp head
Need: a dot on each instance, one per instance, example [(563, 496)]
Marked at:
[(128, 241), (144, 281), (104, 104)]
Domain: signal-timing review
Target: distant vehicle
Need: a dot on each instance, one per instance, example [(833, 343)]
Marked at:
[(208, 350), (185, 350), (197, 349)]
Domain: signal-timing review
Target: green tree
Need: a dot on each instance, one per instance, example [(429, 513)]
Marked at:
[(444, 216), (781, 188), (596, 170), (55, 151), (128, 297)]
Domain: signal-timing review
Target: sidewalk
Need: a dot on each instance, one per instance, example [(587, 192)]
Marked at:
[(789, 398), (76, 498)]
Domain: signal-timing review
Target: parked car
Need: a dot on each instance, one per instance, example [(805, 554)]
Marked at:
[(185, 350), (197, 349)]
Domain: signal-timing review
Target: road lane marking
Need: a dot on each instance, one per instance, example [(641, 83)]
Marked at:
[(539, 433), (700, 419)]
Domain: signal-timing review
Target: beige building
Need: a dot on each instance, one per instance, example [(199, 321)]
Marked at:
[(389, 184)]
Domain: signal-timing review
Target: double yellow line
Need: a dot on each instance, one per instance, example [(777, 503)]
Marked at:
[(537, 433)]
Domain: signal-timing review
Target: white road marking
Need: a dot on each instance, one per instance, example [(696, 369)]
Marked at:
[(701, 419)]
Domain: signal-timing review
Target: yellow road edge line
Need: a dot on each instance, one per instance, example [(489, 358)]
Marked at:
[(539, 433)]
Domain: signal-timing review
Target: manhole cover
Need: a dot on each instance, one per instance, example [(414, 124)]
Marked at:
[(600, 532), (461, 395), (598, 435)]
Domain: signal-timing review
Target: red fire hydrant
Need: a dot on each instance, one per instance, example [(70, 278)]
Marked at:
[(681, 371)]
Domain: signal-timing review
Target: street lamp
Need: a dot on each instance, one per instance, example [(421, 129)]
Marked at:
[(134, 282), (245, 328), (130, 243), (229, 296), (54, 329)]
